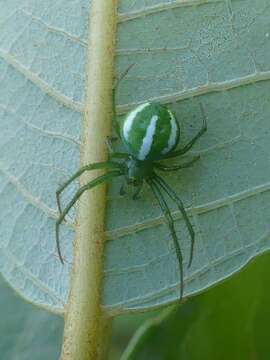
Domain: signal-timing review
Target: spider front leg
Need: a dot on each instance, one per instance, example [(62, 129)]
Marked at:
[(116, 127), (167, 213), (137, 191), (112, 153), (115, 124), (109, 143), (95, 166), (181, 207), (189, 145), (99, 180)]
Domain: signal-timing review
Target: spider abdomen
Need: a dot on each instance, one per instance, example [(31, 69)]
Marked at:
[(150, 131)]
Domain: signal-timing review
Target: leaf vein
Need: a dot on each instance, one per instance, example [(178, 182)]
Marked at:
[(200, 209), (45, 87)]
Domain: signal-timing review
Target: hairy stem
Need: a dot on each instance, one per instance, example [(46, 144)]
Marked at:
[(86, 333)]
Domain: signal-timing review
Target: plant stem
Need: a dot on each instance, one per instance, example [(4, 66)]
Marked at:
[(87, 330), (144, 332)]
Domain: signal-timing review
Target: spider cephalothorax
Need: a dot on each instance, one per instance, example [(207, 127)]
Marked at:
[(150, 133)]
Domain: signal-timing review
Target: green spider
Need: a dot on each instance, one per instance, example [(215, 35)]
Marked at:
[(150, 133)]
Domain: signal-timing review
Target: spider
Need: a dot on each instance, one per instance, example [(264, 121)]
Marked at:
[(150, 133)]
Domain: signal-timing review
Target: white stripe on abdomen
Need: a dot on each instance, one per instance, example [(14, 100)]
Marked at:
[(129, 120), (148, 138), (173, 135)]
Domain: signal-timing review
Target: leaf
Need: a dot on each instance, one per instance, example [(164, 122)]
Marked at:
[(229, 321), (216, 54), (25, 329)]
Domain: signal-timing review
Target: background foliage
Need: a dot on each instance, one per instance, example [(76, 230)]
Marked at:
[(214, 53), (229, 321)]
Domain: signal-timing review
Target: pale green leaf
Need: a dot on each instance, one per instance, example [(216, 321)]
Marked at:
[(185, 53)]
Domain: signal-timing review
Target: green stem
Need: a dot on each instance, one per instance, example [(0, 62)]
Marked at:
[(87, 330), (144, 332)]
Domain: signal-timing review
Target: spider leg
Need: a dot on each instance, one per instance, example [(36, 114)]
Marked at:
[(177, 167), (100, 179), (167, 213), (109, 143), (122, 190), (171, 193), (137, 191), (189, 145), (112, 153), (119, 155), (115, 124), (95, 166)]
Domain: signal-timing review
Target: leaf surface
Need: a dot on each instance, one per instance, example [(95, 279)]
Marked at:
[(26, 329), (185, 53)]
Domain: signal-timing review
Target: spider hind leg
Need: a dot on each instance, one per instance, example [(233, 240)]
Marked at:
[(171, 193), (97, 181), (168, 216)]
